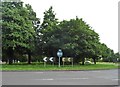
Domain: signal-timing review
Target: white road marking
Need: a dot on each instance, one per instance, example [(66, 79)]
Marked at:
[(45, 79), (79, 78), (70, 78), (115, 79), (39, 72), (108, 78), (62, 79)]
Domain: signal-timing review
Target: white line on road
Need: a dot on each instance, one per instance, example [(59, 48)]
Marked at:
[(116, 79), (70, 78), (44, 79), (79, 78), (62, 79), (38, 72)]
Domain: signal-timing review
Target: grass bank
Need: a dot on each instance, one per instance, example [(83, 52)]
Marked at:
[(38, 66)]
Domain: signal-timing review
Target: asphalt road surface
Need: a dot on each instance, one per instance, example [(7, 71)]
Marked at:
[(96, 77)]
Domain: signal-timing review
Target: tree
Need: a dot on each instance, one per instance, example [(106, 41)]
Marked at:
[(17, 27), (35, 25), (106, 53), (79, 39), (46, 31), (74, 37), (117, 56)]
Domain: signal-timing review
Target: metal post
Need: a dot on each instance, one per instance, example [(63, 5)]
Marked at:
[(59, 54), (59, 61), (72, 63), (63, 63), (44, 64), (53, 63)]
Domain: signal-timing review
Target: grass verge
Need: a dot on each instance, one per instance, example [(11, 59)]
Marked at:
[(38, 66)]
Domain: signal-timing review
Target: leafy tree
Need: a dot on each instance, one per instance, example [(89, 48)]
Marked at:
[(106, 53), (74, 37), (117, 56), (35, 25), (46, 31), (79, 39), (18, 31)]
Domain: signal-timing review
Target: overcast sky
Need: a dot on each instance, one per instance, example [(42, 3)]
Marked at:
[(101, 15)]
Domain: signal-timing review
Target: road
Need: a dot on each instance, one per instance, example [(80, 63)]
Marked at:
[(96, 77)]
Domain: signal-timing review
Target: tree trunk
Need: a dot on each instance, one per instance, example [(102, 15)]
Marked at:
[(10, 55), (94, 60), (29, 57), (10, 60), (83, 60)]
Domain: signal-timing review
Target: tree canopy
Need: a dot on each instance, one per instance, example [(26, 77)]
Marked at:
[(24, 33), (17, 27)]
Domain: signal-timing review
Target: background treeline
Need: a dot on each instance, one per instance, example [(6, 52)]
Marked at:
[(26, 38)]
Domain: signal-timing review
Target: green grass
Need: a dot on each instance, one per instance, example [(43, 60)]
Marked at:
[(38, 66)]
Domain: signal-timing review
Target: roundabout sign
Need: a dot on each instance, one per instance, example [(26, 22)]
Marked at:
[(59, 54)]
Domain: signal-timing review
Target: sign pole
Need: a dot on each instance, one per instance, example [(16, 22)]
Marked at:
[(44, 64), (45, 60), (59, 61), (72, 62), (53, 61), (59, 54)]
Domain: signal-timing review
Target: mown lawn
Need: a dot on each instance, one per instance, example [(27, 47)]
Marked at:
[(38, 66)]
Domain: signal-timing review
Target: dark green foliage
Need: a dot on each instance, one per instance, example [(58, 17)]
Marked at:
[(47, 29), (18, 31), (23, 34), (75, 37)]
